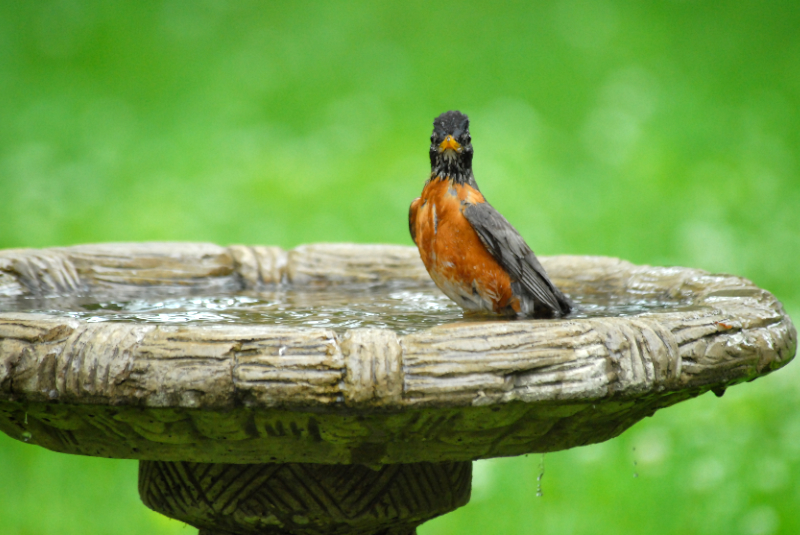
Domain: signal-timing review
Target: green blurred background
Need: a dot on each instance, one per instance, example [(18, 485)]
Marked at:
[(660, 132)]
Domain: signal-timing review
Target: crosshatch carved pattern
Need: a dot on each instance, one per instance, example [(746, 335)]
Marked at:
[(276, 435), (304, 499), (256, 394)]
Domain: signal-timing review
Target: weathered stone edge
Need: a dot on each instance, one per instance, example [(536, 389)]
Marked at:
[(202, 266), (736, 333)]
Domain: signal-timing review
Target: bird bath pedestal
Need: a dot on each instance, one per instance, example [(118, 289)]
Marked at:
[(257, 428)]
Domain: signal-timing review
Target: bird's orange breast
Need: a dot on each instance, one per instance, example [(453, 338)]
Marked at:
[(452, 252)]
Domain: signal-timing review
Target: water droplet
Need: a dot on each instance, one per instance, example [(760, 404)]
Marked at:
[(635, 464), (539, 492), (26, 436)]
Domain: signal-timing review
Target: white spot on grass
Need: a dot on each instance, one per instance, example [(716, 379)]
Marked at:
[(761, 520)]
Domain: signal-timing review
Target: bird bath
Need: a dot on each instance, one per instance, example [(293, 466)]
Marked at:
[(257, 401)]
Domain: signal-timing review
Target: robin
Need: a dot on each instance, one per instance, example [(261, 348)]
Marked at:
[(470, 250)]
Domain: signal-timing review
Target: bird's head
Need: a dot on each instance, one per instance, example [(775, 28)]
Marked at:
[(451, 146)]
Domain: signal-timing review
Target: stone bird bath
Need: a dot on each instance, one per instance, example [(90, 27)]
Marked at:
[(258, 428)]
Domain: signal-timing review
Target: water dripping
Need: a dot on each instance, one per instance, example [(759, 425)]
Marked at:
[(539, 492), (26, 436), (635, 464)]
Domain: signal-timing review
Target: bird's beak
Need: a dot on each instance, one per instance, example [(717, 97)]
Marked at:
[(450, 143)]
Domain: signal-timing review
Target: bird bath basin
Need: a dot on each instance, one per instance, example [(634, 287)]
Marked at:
[(331, 388)]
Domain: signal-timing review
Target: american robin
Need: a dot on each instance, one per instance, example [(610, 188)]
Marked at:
[(471, 251)]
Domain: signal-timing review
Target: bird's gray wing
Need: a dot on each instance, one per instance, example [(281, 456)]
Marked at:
[(510, 250)]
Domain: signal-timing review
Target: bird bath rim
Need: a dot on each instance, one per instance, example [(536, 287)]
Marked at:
[(227, 393)]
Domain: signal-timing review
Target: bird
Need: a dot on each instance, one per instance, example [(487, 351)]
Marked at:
[(472, 253)]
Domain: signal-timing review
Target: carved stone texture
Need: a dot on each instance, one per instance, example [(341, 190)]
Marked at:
[(304, 499), (204, 266), (460, 391)]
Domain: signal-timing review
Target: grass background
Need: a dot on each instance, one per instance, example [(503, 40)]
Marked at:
[(663, 132)]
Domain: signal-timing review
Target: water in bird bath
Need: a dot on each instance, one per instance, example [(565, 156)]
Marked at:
[(403, 307)]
